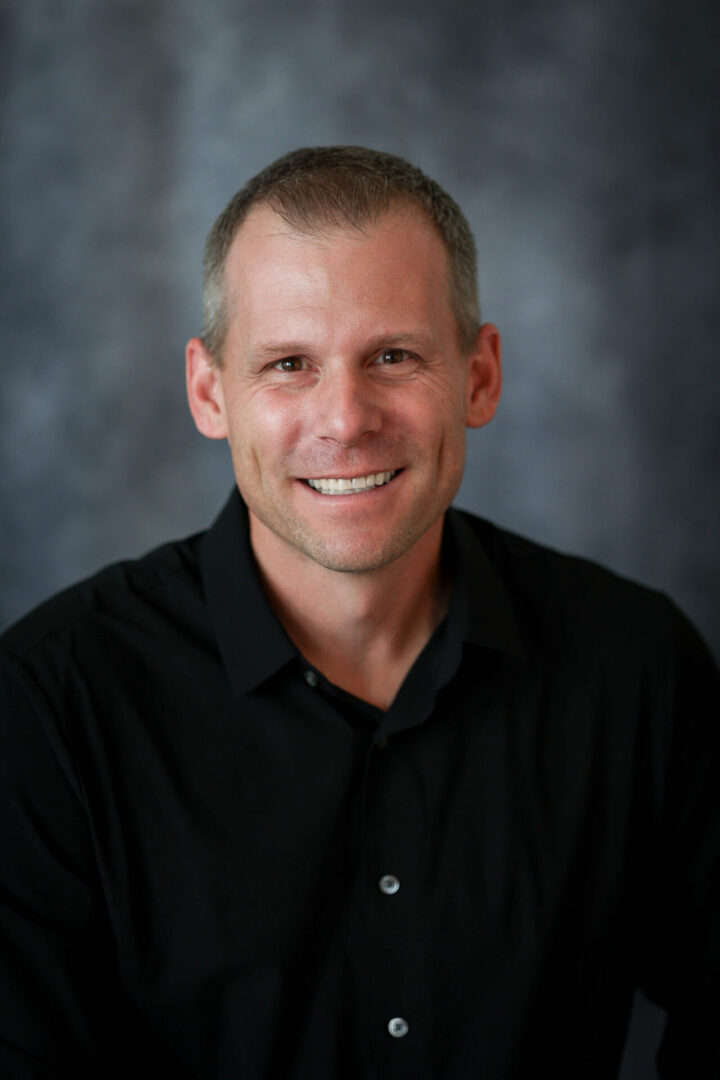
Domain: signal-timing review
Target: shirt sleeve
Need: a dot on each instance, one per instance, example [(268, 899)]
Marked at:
[(681, 934), (55, 1005)]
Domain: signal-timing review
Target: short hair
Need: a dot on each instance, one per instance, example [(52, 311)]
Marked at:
[(336, 187)]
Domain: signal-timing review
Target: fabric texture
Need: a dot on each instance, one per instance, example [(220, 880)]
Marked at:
[(217, 864)]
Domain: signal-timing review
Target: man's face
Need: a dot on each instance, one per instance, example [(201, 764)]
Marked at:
[(343, 390)]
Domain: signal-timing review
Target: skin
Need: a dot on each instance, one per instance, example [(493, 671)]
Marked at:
[(342, 359)]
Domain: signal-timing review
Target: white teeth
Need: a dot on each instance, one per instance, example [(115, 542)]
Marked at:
[(350, 487)]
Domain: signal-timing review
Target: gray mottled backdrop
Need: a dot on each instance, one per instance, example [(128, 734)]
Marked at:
[(579, 135)]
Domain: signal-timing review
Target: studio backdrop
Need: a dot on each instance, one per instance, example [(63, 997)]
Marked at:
[(580, 138)]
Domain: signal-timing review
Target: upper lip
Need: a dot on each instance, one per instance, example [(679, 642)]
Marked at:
[(355, 475)]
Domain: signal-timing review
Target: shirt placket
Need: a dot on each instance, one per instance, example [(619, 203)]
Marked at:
[(395, 984)]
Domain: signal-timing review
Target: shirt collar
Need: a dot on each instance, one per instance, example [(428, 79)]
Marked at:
[(481, 611), (252, 641)]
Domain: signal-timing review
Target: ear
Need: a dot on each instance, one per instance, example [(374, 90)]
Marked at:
[(203, 378), (484, 377)]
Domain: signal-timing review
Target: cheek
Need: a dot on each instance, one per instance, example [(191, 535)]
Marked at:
[(451, 442), (443, 419), (264, 427), (443, 401)]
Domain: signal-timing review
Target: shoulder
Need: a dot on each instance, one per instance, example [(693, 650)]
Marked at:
[(162, 580), (566, 600), (90, 655)]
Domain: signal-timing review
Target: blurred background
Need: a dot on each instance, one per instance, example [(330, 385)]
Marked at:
[(580, 137)]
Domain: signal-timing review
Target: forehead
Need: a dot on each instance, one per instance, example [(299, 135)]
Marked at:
[(397, 262)]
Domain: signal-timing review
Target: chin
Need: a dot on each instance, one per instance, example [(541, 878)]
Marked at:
[(351, 564), (358, 558)]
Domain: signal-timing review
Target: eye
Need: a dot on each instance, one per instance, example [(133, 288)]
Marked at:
[(289, 364), (392, 356)]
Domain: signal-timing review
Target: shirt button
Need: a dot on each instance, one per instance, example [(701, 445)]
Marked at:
[(311, 678), (388, 884), (398, 1027), (381, 743)]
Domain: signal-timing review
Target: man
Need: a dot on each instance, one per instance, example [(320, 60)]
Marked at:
[(354, 785)]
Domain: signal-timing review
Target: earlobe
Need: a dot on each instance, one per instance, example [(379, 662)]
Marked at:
[(484, 377), (204, 390)]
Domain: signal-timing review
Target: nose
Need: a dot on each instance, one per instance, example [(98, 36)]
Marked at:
[(347, 407)]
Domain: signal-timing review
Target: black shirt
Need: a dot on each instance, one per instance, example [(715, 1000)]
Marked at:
[(216, 864)]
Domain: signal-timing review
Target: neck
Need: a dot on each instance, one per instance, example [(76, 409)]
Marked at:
[(363, 631)]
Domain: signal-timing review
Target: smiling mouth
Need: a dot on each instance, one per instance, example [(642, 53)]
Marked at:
[(353, 486)]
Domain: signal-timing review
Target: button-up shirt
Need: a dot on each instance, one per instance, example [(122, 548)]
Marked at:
[(216, 864)]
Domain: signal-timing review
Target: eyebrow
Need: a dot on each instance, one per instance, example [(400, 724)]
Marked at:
[(411, 339), (267, 349)]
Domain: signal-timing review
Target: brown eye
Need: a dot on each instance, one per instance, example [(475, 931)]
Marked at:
[(290, 363), (392, 356)]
